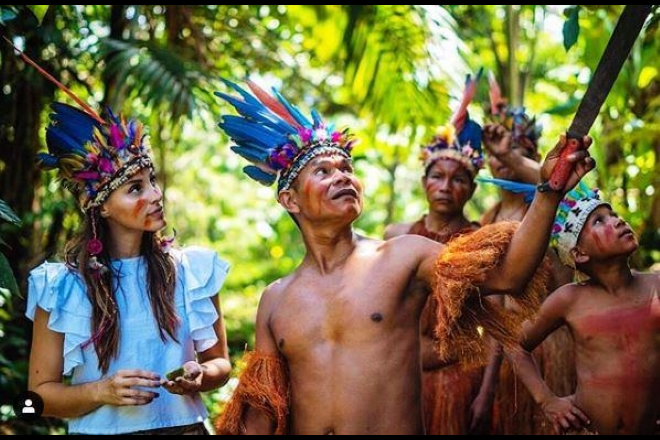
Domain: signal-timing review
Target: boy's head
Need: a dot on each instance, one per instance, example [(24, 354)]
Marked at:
[(586, 229)]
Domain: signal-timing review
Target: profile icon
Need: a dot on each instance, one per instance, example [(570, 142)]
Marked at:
[(28, 406)]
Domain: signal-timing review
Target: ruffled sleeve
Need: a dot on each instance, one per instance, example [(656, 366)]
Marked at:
[(203, 274), (60, 292)]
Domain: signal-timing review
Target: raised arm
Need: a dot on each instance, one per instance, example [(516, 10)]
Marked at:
[(560, 411), (69, 401), (530, 242), (497, 140)]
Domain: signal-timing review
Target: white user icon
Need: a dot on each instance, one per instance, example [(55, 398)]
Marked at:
[(28, 409)]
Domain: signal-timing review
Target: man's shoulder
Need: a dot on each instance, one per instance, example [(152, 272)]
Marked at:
[(397, 229), (410, 250), (413, 241), (278, 287)]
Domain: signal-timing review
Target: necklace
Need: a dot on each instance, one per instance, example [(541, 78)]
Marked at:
[(443, 235)]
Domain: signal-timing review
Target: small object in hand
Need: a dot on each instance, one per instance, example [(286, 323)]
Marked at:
[(175, 373)]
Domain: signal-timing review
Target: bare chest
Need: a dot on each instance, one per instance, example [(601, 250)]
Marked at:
[(343, 312), (631, 326)]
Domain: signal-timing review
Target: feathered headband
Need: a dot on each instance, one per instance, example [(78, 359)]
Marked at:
[(525, 131), (93, 156), (571, 217), (276, 137), (460, 140)]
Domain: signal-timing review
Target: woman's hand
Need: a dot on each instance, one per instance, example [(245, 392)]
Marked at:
[(189, 383), (124, 388)]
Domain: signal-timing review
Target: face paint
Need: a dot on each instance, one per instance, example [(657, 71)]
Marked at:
[(139, 206)]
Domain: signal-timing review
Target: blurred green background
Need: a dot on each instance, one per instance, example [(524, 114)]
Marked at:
[(391, 73)]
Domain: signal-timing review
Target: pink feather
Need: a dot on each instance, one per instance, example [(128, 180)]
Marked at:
[(497, 103), (459, 117), (273, 104)]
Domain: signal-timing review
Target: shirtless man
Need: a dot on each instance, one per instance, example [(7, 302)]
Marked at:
[(346, 321), (614, 318)]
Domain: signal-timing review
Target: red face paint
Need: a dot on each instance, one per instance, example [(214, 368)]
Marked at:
[(139, 206), (598, 241)]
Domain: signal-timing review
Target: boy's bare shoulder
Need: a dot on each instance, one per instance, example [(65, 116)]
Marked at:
[(566, 295), (651, 277)]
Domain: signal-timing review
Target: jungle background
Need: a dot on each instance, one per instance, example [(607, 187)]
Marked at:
[(390, 72)]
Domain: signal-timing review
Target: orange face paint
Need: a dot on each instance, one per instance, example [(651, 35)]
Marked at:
[(139, 206)]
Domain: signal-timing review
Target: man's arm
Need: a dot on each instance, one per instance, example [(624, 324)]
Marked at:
[(257, 422), (530, 242), (560, 411)]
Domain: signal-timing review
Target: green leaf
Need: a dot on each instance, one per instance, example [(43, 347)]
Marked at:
[(7, 280), (8, 215), (569, 107), (39, 11), (571, 27)]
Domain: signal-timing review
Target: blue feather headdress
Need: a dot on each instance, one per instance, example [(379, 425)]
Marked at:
[(94, 157), (525, 131), (276, 137), (460, 140)]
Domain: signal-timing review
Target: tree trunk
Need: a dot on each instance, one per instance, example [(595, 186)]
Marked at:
[(20, 135), (118, 25), (513, 40)]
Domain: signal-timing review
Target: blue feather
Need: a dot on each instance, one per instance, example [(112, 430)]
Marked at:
[(250, 131), (254, 155), (515, 187), (247, 96), (260, 175), (317, 118), (60, 143), (47, 161), (471, 132), (297, 115), (76, 124), (259, 113)]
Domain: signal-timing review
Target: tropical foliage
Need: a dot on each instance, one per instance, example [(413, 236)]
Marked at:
[(388, 71)]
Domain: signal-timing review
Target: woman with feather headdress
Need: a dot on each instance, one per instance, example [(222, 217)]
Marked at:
[(124, 308)]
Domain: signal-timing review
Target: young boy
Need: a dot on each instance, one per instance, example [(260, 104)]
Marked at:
[(614, 318)]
